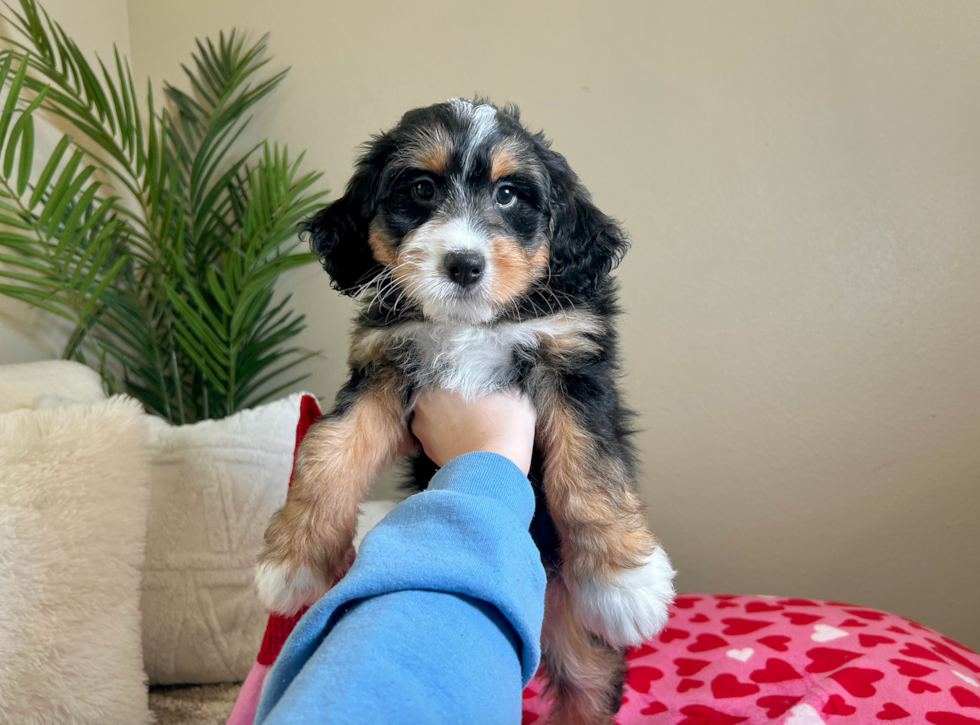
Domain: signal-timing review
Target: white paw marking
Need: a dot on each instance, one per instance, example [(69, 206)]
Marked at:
[(965, 678), (804, 715), (633, 606), (286, 593), (742, 655), (825, 633)]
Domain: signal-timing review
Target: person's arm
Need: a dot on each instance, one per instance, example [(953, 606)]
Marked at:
[(439, 618)]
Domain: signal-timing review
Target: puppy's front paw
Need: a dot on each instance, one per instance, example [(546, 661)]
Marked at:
[(285, 590), (632, 606)]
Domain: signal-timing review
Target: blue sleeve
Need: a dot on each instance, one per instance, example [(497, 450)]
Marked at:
[(438, 620)]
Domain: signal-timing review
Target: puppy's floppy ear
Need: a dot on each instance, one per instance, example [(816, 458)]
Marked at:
[(338, 234), (585, 243)]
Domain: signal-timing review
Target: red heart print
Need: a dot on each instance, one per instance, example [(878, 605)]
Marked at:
[(797, 603), (852, 623), (801, 617), (725, 605), (686, 602), (919, 686), (871, 614), (634, 653), (704, 715), (873, 640), (916, 625), (706, 642), (858, 681), (836, 705), (920, 652), (955, 656), (964, 697), (699, 618), (688, 684), (687, 667), (826, 659), (777, 705), (639, 678), (654, 708), (528, 693), (912, 669), (950, 718), (776, 642), (891, 711), (897, 630), (727, 685), (957, 644), (776, 670), (527, 717), (735, 625), (670, 634), (753, 607)]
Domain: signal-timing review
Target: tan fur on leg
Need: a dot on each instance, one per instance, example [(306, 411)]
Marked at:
[(307, 538), (620, 578), (584, 673)]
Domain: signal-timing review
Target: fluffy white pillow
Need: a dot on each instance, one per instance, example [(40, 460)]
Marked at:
[(73, 505), (214, 486), (46, 384)]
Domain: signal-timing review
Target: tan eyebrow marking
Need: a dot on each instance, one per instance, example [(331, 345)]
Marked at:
[(433, 158), (504, 160), (430, 151)]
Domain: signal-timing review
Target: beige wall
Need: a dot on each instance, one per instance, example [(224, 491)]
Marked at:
[(802, 184), (28, 333)]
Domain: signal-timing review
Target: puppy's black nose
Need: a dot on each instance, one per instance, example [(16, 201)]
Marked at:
[(465, 268)]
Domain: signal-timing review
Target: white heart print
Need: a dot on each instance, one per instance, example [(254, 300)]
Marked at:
[(825, 633), (742, 655), (966, 679), (804, 715)]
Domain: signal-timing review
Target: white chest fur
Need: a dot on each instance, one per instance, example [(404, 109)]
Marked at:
[(472, 359)]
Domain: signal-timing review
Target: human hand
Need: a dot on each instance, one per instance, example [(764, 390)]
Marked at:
[(448, 426)]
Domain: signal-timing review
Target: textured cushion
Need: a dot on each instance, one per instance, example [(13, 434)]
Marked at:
[(727, 659), (214, 486), (73, 505)]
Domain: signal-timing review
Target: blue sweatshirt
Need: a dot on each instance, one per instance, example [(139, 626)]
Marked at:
[(439, 619)]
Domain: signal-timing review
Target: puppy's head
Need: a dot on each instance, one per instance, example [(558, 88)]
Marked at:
[(460, 211)]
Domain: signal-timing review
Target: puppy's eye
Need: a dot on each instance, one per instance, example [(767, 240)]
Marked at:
[(424, 190), (506, 195)]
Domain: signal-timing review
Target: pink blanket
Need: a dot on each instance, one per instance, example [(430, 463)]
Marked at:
[(726, 659)]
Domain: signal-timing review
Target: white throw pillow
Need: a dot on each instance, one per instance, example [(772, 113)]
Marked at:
[(46, 384), (73, 506), (214, 486)]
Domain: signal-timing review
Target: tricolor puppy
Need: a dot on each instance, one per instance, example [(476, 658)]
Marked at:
[(480, 262)]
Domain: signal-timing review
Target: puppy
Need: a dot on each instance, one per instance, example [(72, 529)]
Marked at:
[(480, 262)]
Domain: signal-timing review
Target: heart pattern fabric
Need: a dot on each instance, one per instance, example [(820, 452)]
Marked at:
[(790, 661)]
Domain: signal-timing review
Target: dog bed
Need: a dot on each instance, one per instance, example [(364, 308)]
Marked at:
[(727, 659)]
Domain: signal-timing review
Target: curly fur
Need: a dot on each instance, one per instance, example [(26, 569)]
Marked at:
[(533, 305)]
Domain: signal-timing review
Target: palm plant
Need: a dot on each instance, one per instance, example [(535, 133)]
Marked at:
[(148, 229)]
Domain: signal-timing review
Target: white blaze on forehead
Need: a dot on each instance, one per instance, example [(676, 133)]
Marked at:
[(459, 235), (482, 121), (438, 237)]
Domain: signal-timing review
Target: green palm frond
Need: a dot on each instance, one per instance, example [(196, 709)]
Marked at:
[(149, 229)]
